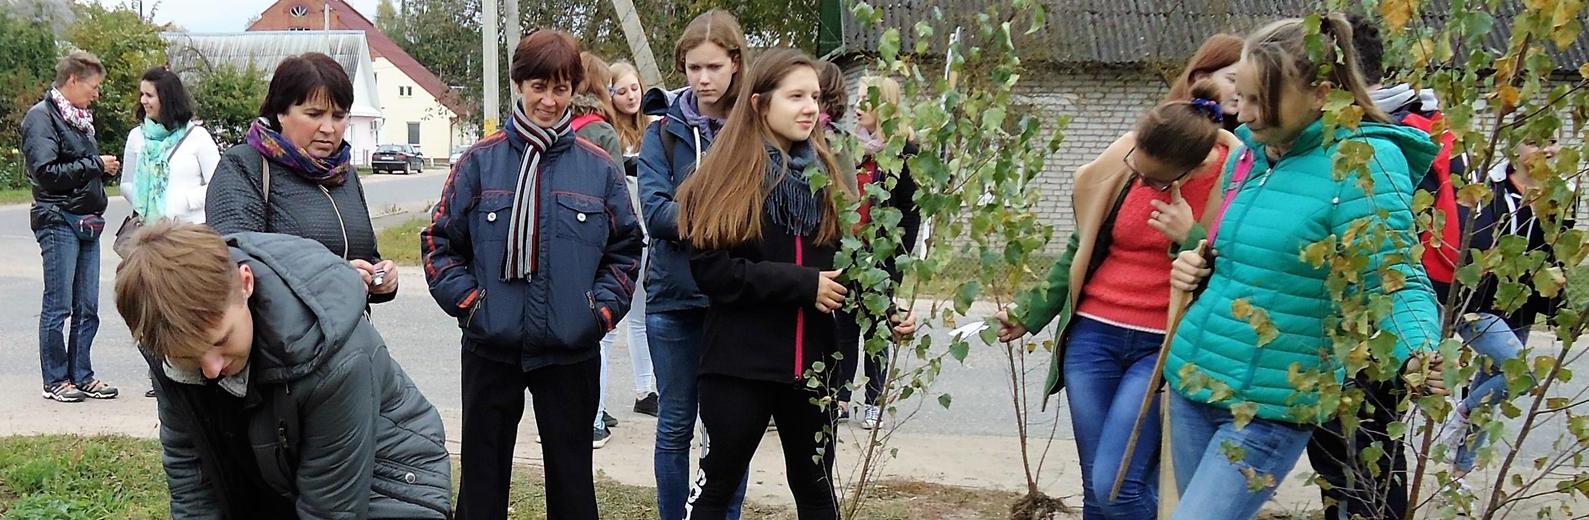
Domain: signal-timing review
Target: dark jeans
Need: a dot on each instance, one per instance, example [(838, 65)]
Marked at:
[(71, 289), (564, 397), (675, 341), (850, 343), (1107, 369), (1356, 490), (734, 414)]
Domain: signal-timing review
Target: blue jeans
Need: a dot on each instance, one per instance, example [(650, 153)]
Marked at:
[(1494, 339), (675, 341), (1214, 486), (71, 289), (1106, 374)]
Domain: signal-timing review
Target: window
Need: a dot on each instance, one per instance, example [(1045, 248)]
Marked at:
[(299, 11), (405, 91), (413, 133)]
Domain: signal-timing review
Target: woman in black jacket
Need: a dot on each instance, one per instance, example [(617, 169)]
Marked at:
[(68, 177), (762, 252), (294, 175)]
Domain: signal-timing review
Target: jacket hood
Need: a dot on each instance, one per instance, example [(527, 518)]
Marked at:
[(1414, 144), (1394, 99), (588, 104), (659, 101), (306, 303)]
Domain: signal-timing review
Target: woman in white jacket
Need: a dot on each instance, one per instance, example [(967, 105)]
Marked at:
[(169, 159)]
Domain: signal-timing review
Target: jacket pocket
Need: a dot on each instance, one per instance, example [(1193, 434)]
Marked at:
[(413, 486), (582, 218)]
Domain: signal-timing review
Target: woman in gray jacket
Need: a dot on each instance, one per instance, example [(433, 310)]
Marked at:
[(277, 397)]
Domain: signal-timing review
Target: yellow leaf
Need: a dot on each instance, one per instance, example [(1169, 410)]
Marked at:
[(1506, 98), (1584, 71), (1397, 13), (1241, 309)]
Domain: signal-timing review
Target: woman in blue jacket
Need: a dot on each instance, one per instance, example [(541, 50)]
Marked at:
[(535, 249)]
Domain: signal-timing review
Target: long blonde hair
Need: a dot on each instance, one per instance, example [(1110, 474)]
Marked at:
[(632, 127), (1278, 53), (720, 205), (888, 93)]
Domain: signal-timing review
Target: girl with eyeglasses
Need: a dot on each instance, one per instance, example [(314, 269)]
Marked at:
[(1111, 293)]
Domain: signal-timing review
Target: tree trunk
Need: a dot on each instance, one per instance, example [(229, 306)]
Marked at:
[(639, 45)]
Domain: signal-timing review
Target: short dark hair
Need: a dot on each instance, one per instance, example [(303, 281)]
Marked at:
[(1370, 48), (547, 54), (299, 78), (176, 108)]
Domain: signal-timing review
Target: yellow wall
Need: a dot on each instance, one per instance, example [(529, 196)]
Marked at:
[(437, 136)]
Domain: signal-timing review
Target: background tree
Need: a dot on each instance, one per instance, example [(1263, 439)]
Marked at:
[(227, 99), (127, 45), (27, 63)]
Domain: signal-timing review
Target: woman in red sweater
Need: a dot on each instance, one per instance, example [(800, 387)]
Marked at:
[(1111, 288)]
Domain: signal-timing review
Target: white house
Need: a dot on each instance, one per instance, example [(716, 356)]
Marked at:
[(190, 54), (419, 108)]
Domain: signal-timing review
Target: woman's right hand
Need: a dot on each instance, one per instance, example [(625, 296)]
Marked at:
[(1190, 268), (1009, 330), (830, 293)]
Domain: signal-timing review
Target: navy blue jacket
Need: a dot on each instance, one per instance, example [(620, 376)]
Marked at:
[(587, 258), (664, 164)]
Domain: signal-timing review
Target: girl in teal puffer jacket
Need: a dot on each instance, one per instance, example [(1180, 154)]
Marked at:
[(1284, 195)]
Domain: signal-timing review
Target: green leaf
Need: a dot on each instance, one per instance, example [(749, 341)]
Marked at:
[(944, 400), (959, 349), (1243, 414)]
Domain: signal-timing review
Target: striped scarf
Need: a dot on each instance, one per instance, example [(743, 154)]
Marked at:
[(522, 230), (791, 203), (80, 118)]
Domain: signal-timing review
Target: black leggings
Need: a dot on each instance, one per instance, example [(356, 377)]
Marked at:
[(850, 343), (734, 414)]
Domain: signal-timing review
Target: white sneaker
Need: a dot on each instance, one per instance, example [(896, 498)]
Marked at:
[(1454, 432), (874, 417)]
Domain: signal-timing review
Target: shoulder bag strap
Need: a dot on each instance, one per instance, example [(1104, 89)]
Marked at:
[(264, 168), (1238, 178)]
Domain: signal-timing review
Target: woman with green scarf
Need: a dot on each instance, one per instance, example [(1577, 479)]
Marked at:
[(169, 159)]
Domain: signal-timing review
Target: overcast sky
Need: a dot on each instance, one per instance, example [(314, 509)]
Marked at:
[(221, 15)]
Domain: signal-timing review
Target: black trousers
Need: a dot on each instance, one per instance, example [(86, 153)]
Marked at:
[(564, 398), (1355, 491), (734, 414), (850, 343)]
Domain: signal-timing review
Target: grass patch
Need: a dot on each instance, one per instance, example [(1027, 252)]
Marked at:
[(25, 195), (400, 242), (67, 477)]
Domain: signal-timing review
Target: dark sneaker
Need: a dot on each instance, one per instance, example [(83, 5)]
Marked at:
[(64, 392), (646, 405), (608, 419), (150, 393), (99, 390), (599, 438)]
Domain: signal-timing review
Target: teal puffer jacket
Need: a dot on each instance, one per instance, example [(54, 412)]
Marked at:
[(1279, 210)]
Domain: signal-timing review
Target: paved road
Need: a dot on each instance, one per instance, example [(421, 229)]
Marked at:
[(425, 342)]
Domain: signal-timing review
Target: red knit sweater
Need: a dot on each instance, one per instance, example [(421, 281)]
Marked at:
[(1131, 288)]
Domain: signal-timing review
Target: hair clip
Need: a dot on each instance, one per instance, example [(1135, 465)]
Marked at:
[(1210, 108)]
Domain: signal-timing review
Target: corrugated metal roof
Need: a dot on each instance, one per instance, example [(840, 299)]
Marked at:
[(1136, 31), (192, 52)]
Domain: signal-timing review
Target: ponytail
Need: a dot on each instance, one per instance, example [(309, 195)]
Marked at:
[(1279, 54)]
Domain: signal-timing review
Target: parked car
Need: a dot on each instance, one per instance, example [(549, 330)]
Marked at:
[(457, 153), (397, 158)]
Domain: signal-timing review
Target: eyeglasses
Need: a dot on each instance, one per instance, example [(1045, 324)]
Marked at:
[(1149, 181)]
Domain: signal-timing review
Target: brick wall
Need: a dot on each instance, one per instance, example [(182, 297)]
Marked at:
[(1103, 102)]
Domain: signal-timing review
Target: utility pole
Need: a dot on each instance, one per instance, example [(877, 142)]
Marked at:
[(639, 45), (489, 51), (515, 32)]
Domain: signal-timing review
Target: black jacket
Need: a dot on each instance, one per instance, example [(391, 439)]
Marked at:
[(763, 323), (588, 254), (336, 217), (1507, 213), (334, 427), (62, 164)]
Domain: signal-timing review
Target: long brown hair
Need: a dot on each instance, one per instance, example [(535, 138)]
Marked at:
[(1279, 55), (1217, 52), (1181, 133), (720, 205), (720, 28), (595, 83), (631, 127)]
